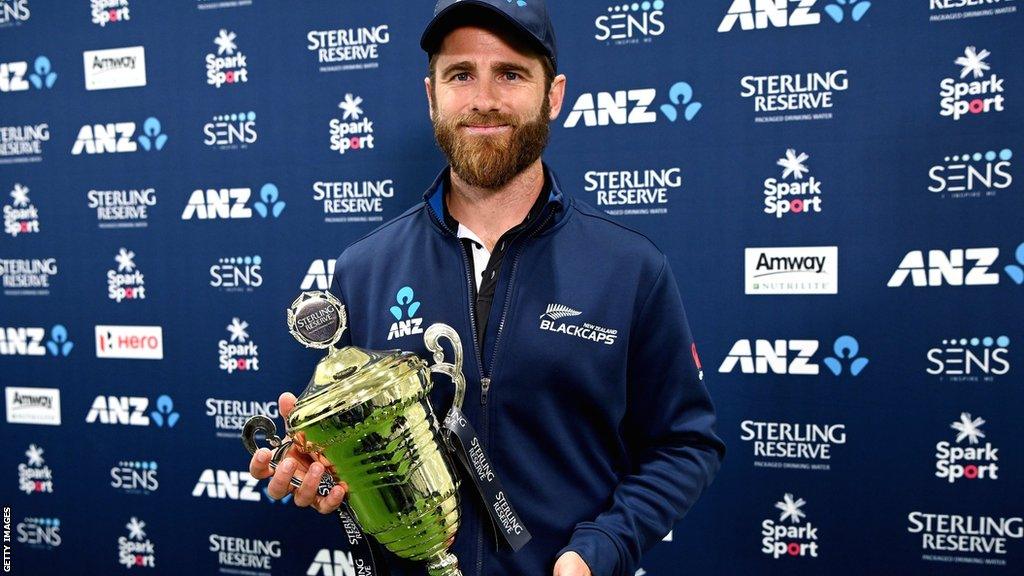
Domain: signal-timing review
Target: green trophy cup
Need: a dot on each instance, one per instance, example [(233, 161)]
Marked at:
[(367, 418)]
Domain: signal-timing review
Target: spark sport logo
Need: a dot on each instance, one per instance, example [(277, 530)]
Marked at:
[(633, 192), (132, 411), (956, 267), (232, 203), (970, 359), (237, 274), (115, 68), (110, 12), (239, 353), (634, 23), (229, 416), (135, 550), (319, 275), (14, 13), (354, 200), (234, 131), (226, 485), (234, 553), (794, 357), (352, 131), (27, 277), (624, 107), (128, 208), (126, 281), (35, 477), (38, 533), (404, 311), (807, 96), (762, 14), (945, 10), (792, 445), (135, 477), (972, 175), (23, 143), (791, 270), (119, 138), (954, 536), (33, 406), (21, 216), (979, 95), (553, 320), (781, 539), (348, 48), (228, 66), (972, 462), (16, 77), (795, 196)]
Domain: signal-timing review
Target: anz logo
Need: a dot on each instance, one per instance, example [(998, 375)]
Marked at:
[(404, 312)]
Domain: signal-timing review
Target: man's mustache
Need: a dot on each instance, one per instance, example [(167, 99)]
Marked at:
[(477, 119)]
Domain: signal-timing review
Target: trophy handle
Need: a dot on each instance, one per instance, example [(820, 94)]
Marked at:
[(432, 339), (280, 449)]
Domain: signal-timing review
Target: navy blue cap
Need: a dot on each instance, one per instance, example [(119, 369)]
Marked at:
[(529, 18)]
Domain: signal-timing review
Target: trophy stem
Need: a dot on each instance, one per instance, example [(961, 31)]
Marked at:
[(445, 565)]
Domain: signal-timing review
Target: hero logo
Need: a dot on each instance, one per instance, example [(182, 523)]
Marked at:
[(792, 445), (336, 563), (14, 12), (632, 107), (791, 270), (35, 477), (33, 406), (240, 353), (14, 76), (631, 23), (231, 131), (29, 341), (550, 321), (229, 485), (761, 14), (136, 342), (962, 361), (237, 274), (134, 477), (319, 275), (116, 138), (946, 533), (126, 282), (131, 411), (777, 357), (958, 267), (21, 217), (39, 533), (349, 132), (959, 98), (228, 65), (972, 175), (231, 203), (781, 539), (805, 195), (110, 11), (135, 550), (973, 462), (406, 308)]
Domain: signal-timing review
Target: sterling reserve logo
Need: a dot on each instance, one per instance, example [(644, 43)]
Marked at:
[(794, 97), (560, 318), (633, 192), (792, 445), (348, 48), (965, 539)]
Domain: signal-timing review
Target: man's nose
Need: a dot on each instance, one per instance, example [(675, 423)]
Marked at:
[(486, 98)]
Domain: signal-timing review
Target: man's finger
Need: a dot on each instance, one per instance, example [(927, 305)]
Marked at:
[(330, 503), (306, 494), (280, 484), (259, 466), (285, 403)]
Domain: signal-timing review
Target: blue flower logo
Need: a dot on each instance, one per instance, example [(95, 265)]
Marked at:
[(151, 138), (59, 345), (164, 413), (846, 349), (858, 8), (43, 75), (405, 298), (269, 203), (681, 94)]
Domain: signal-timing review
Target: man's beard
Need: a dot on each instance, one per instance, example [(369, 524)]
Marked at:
[(486, 161)]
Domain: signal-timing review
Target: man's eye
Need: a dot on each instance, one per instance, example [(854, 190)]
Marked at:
[(511, 75), (462, 76)]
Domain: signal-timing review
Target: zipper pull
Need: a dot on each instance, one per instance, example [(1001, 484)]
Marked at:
[(485, 385)]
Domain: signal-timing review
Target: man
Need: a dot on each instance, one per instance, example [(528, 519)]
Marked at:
[(584, 383)]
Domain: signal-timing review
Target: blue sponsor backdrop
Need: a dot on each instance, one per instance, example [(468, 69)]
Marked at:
[(813, 169)]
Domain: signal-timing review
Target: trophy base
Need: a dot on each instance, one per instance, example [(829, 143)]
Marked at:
[(446, 565)]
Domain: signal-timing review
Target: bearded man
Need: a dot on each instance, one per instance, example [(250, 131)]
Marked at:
[(584, 382)]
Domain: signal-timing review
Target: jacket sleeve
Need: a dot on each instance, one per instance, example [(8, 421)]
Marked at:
[(669, 433)]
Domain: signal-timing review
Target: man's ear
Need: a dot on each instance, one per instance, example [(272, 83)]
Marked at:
[(430, 97), (556, 95)]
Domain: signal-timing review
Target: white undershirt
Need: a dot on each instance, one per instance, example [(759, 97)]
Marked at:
[(480, 254)]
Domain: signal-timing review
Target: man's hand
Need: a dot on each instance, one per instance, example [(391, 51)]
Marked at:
[(300, 465), (570, 564)]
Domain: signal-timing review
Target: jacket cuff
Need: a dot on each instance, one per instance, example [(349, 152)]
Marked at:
[(597, 549)]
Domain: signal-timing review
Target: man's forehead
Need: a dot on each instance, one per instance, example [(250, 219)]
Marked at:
[(478, 43)]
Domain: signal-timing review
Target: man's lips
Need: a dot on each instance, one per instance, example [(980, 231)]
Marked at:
[(486, 128)]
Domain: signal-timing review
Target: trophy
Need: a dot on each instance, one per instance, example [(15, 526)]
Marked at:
[(367, 418)]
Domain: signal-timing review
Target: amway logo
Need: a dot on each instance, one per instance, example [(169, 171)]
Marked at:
[(119, 137), (762, 14), (232, 204), (115, 68), (136, 342), (15, 77), (632, 107), (793, 270), (131, 411), (959, 97), (973, 462), (33, 405), (793, 357)]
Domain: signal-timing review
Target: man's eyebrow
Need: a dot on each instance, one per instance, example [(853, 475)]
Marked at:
[(511, 67), (461, 66)]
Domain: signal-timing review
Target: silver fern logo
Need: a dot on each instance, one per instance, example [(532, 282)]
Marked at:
[(550, 321)]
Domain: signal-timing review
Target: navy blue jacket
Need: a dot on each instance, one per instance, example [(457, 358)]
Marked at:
[(596, 417)]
